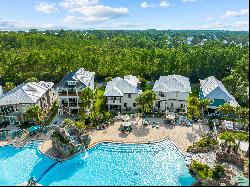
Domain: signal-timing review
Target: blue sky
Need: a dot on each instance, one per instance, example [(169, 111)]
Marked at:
[(124, 14)]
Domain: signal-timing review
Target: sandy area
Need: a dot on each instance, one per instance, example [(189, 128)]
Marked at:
[(182, 136)]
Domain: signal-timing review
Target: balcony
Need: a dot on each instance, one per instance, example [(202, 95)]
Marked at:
[(114, 102), (69, 94), (161, 97), (73, 104)]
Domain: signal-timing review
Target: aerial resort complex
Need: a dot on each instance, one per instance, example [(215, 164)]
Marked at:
[(90, 101)]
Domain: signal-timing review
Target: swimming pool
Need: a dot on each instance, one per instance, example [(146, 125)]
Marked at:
[(111, 164), (17, 165)]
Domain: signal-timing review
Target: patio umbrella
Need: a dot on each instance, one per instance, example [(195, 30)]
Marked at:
[(170, 117), (126, 124), (126, 118), (33, 128)]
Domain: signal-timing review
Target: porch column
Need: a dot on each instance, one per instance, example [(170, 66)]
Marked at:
[(67, 96)]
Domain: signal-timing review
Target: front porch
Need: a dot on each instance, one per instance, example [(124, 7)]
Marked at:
[(114, 108)]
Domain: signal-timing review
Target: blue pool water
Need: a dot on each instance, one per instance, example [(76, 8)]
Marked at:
[(17, 165), (105, 164)]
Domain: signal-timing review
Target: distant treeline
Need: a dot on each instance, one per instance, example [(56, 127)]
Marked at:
[(49, 55)]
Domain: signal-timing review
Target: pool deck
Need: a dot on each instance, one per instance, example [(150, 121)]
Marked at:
[(181, 136), (25, 139), (26, 184)]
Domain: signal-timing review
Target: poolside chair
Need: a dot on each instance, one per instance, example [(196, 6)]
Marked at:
[(3, 136), (13, 135), (153, 124)]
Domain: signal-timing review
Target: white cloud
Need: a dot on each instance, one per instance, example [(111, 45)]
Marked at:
[(84, 20), (164, 4), (68, 4), (185, 1), (145, 5), (5, 23), (122, 26), (15, 25), (46, 7), (91, 11), (228, 14), (101, 11), (240, 24), (209, 18), (131, 25)]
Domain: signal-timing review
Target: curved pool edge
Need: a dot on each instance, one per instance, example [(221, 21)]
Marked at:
[(105, 141), (92, 146), (38, 148)]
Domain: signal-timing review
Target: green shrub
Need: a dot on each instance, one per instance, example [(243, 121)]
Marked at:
[(206, 142), (80, 125), (201, 170), (60, 137), (217, 171)]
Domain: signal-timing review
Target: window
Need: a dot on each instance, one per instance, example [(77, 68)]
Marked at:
[(71, 82), (181, 105), (125, 104), (72, 99), (129, 95), (134, 104), (172, 105)]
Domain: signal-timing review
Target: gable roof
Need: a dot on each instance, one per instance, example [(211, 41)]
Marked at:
[(118, 86), (172, 83), (84, 78), (214, 89), (27, 93)]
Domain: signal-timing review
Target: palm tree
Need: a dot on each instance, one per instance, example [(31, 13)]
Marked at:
[(146, 100), (203, 104), (243, 114), (87, 98), (226, 109)]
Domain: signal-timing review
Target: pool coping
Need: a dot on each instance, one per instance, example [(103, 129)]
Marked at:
[(60, 160), (106, 141)]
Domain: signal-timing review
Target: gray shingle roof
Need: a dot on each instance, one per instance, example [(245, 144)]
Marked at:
[(118, 86), (28, 93), (172, 83)]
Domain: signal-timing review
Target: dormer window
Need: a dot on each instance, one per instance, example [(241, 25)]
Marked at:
[(72, 82)]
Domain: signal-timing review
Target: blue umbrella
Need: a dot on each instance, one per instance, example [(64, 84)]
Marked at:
[(33, 128)]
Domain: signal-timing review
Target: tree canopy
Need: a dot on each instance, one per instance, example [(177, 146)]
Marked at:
[(49, 55)]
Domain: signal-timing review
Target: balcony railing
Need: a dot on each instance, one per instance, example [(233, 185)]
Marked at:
[(67, 94), (114, 102)]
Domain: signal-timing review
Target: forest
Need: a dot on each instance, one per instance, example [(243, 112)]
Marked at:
[(49, 55)]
